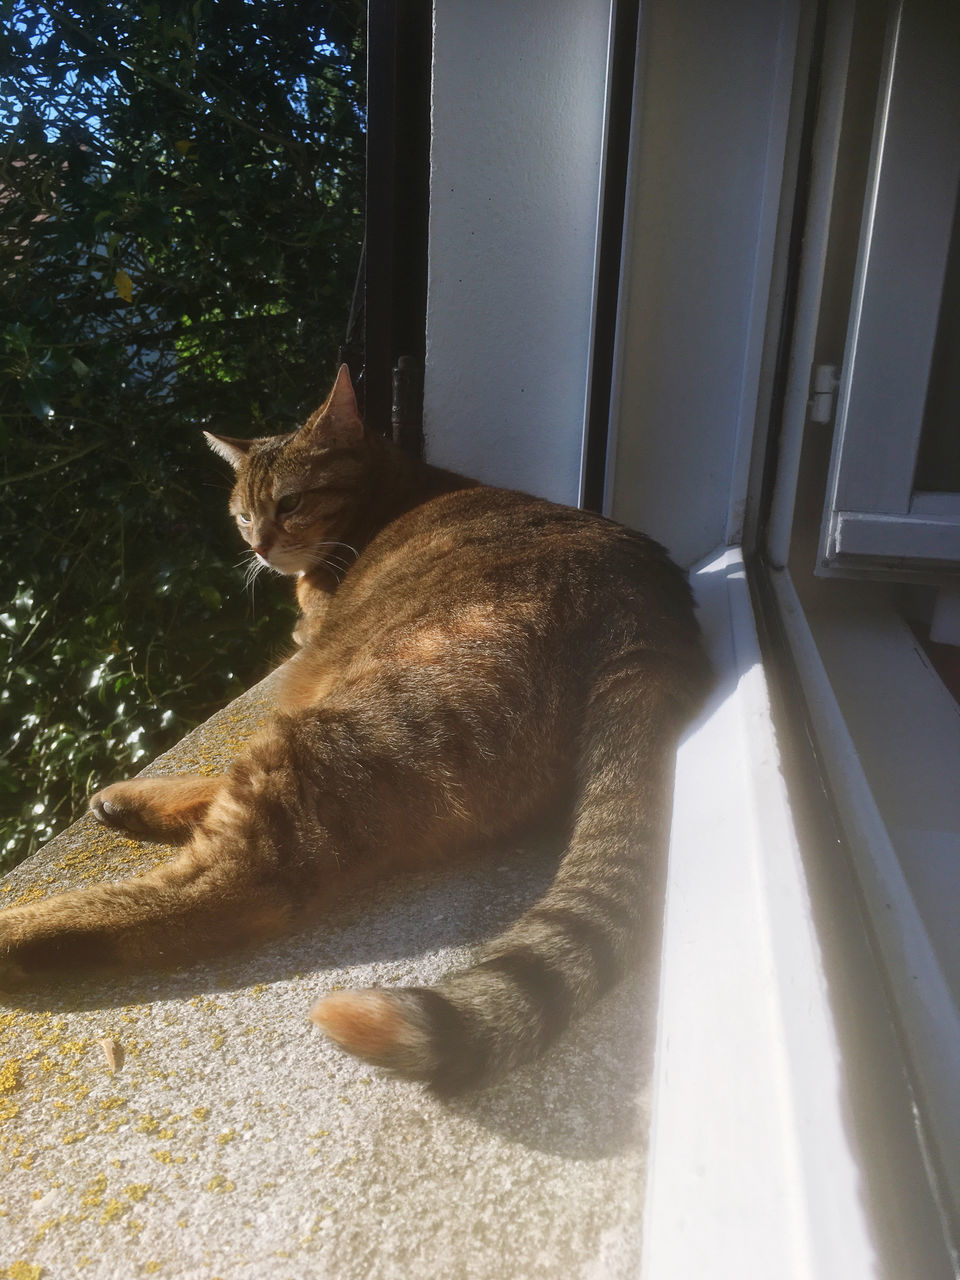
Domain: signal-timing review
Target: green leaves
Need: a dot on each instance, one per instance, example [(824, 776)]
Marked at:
[(181, 224)]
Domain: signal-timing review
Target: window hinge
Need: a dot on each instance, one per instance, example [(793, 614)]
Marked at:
[(406, 411), (825, 382)]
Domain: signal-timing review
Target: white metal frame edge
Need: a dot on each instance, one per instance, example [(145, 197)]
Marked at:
[(752, 1169), (924, 1004), (820, 205)]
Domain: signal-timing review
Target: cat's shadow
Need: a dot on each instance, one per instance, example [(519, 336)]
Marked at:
[(588, 1097), (583, 1100), (395, 922)]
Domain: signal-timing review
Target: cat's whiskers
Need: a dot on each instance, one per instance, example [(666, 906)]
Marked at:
[(346, 545), (254, 565), (336, 560), (321, 554), (327, 565)]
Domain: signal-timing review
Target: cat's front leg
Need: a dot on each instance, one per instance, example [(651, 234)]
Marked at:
[(168, 809), (314, 594), (56, 936), (258, 862), (204, 902), (301, 632)]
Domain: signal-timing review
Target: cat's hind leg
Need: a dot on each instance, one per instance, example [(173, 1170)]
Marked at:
[(169, 809), (258, 863), (202, 903)]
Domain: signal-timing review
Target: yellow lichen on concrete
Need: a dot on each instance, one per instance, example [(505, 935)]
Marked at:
[(220, 1183), (74, 1048), (93, 1195), (108, 1104), (46, 1226), (23, 1271), (112, 1210), (9, 1075)]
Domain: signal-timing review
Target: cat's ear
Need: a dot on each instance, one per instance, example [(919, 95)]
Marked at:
[(342, 402), (234, 451), (337, 421)]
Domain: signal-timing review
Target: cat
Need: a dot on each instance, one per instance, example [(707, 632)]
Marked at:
[(473, 662)]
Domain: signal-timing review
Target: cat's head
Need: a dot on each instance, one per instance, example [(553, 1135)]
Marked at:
[(295, 495)]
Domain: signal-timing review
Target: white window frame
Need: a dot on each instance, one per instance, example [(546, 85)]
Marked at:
[(784, 1136), (886, 729), (874, 515)]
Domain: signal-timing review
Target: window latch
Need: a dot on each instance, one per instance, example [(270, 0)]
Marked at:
[(826, 379)]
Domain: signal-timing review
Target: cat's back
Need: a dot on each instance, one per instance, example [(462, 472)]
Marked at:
[(475, 573), (484, 538)]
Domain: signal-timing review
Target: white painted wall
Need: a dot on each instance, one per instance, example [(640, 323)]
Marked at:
[(518, 106), (706, 168)]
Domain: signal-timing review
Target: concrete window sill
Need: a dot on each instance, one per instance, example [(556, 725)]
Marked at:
[(235, 1141)]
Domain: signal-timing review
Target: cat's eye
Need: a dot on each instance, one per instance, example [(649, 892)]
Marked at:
[(288, 504), (244, 517)]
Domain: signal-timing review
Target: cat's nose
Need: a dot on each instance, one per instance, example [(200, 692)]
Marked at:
[(262, 550)]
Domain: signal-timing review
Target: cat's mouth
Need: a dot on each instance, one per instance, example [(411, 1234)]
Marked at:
[(337, 557), (281, 562)]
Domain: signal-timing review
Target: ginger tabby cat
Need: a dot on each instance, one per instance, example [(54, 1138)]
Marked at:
[(473, 662)]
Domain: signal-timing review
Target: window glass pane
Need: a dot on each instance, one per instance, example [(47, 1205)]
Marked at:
[(938, 463)]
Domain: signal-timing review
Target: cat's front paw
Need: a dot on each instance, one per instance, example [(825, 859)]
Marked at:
[(168, 808), (112, 807)]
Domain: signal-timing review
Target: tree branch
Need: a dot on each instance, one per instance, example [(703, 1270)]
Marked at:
[(51, 466), (211, 107)]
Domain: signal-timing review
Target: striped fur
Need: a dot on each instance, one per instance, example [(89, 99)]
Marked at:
[(524, 988), (473, 662)]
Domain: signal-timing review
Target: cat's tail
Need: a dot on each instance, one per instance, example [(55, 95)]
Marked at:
[(603, 907)]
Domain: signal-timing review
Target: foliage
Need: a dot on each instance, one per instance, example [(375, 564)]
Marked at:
[(181, 199)]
